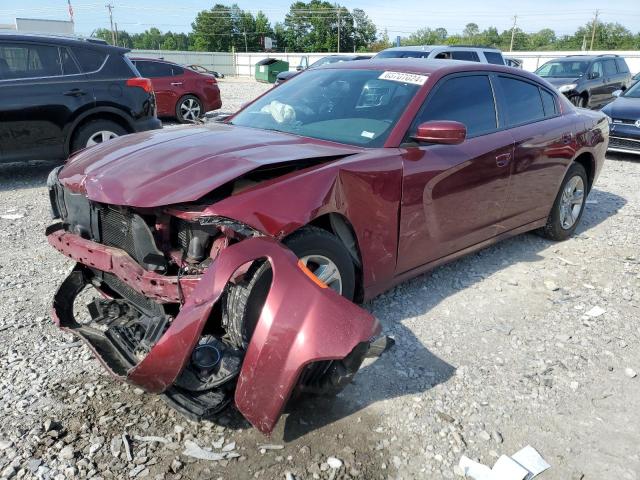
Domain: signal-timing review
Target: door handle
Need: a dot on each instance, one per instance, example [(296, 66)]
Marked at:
[(566, 138), (176, 84), (503, 159), (75, 92)]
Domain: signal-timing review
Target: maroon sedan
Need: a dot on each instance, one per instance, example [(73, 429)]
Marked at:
[(181, 93), (226, 258)]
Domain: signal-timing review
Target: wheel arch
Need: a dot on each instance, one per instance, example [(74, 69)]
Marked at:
[(587, 160), (101, 113), (340, 226)]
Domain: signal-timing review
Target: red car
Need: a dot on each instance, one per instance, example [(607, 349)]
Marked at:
[(181, 93), (227, 257)]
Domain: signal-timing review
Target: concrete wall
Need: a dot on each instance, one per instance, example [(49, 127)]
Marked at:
[(243, 64)]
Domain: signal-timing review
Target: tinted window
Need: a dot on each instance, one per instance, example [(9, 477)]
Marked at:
[(29, 61), (494, 57), (90, 60), (154, 69), (402, 54), (177, 70), (465, 55), (522, 101), (468, 100), (597, 67), (622, 65), (549, 103), (610, 67), (69, 66)]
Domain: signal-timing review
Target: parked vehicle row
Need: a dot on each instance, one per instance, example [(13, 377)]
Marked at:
[(61, 94)]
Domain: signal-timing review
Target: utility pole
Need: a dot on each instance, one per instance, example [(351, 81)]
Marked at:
[(338, 30), (113, 33), (246, 49), (116, 33), (513, 32), (593, 29)]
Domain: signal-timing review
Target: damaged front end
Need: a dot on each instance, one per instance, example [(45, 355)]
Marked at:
[(158, 321)]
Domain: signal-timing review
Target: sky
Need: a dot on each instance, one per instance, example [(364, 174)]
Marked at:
[(399, 17)]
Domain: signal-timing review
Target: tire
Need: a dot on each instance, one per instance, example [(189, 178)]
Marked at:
[(243, 301), (558, 227), (580, 101), (94, 132), (189, 109)]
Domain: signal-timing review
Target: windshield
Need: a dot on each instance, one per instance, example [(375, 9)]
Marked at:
[(326, 60), (633, 91), (356, 107), (564, 68)]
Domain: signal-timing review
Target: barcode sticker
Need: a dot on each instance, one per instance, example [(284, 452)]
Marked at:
[(404, 77)]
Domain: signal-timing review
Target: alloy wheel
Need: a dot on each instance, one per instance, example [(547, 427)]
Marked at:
[(190, 109), (571, 202), (100, 137), (326, 271)]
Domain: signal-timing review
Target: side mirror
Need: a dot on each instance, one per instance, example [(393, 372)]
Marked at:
[(593, 75), (444, 132), (617, 93)]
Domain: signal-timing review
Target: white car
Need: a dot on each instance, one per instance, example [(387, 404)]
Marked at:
[(450, 52)]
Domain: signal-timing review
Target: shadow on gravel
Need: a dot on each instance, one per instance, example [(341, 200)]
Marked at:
[(409, 368), (31, 174)]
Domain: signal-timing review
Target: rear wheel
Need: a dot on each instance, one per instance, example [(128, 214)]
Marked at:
[(96, 132), (189, 109), (580, 101), (569, 205)]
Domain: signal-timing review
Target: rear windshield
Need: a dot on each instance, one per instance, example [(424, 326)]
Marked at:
[(403, 54)]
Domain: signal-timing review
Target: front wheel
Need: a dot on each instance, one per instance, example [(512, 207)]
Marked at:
[(580, 101), (568, 207), (96, 132)]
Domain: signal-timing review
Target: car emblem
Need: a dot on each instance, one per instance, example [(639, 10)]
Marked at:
[(637, 124)]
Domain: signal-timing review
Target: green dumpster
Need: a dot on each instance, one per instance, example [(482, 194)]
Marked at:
[(268, 69)]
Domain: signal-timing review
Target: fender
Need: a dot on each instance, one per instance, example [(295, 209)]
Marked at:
[(70, 128), (365, 188)]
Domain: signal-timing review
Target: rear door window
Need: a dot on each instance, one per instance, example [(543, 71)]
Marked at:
[(549, 103), (153, 69), (494, 57), (610, 67), (466, 99), (176, 70), (29, 61), (522, 101), (469, 56), (90, 60), (69, 66), (597, 67)]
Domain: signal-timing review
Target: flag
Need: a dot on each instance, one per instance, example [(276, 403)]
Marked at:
[(70, 10)]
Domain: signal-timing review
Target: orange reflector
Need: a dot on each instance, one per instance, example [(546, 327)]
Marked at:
[(310, 274)]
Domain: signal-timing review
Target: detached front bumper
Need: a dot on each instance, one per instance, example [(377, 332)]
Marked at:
[(302, 322)]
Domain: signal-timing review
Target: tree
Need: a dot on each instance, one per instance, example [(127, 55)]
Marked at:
[(213, 29), (471, 30), (364, 29), (380, 43)]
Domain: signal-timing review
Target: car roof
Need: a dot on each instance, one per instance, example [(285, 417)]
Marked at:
[(427, 48), (160, 60), (587, 58), (66, 40), (425, 66)]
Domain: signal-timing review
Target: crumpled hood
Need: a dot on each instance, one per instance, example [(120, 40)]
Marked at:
[(623, 108), (558, 82), (164, 167)]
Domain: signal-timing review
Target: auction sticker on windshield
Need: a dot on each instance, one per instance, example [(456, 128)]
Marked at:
[(404, 77)]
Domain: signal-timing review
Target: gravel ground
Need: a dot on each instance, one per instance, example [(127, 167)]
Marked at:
[(527, 342)]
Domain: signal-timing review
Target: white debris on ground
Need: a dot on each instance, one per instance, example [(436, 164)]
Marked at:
[(488, 358)]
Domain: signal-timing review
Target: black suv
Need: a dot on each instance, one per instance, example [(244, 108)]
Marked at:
[(587, 80), (61, 94)]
